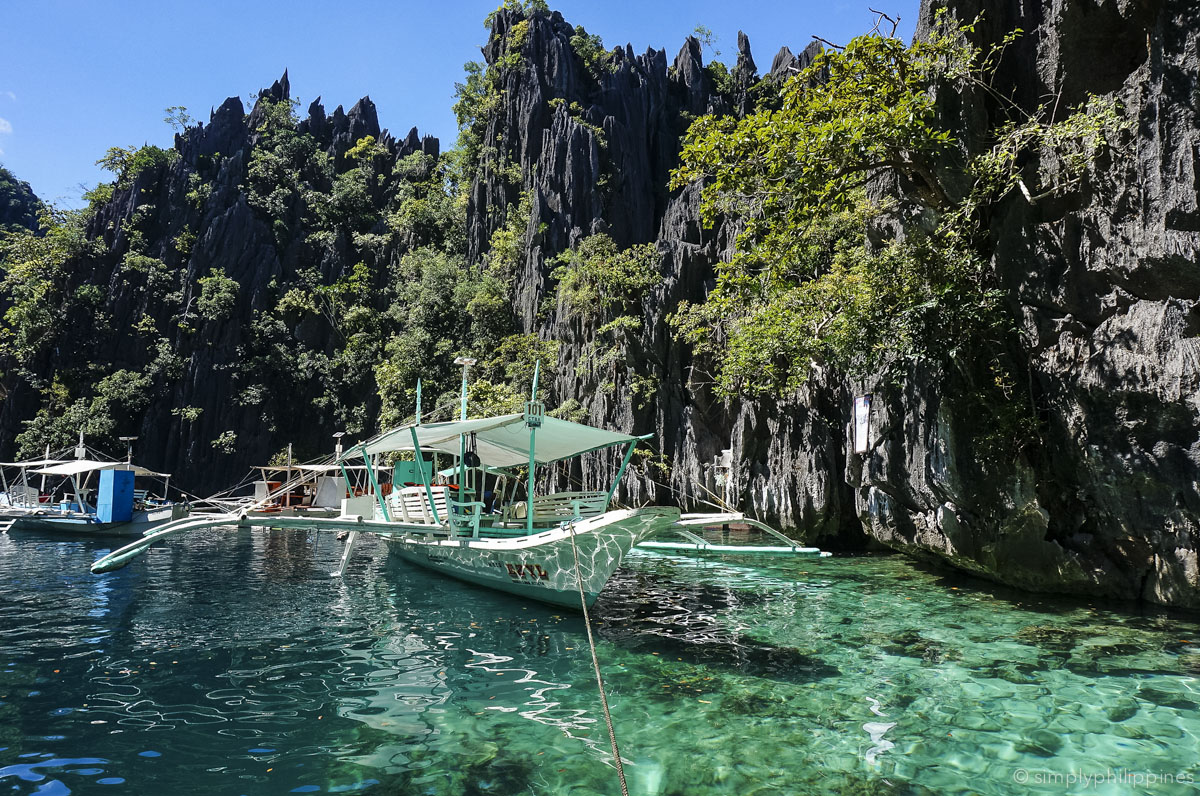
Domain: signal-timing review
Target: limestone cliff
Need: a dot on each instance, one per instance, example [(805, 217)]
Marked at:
[(1105, 284)]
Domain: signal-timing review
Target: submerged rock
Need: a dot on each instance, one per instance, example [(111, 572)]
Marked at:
[(1043, 743)]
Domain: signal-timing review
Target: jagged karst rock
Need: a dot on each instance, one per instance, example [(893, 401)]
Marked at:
[(230, 235), (1105, 285)]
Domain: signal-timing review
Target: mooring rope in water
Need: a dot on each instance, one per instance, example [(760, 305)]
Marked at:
[(587, 623)]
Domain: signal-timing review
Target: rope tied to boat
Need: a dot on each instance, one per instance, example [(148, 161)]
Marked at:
[(587, 624)]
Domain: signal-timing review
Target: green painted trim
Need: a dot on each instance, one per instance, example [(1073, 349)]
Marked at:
[(529, 489), (424, 475), (616, 481), (387, 517), (537, 370), (345, 479)]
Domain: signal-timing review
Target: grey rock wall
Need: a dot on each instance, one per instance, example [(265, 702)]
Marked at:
[(1105, 285)]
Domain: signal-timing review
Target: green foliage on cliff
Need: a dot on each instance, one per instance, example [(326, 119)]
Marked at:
[(590, 49), (129, 163), (596, 279), (602, 286), (19, 207), (218, 295), (805, 287), (34, 283)]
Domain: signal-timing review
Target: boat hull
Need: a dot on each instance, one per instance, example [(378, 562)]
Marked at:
[(542, 566), (143, 522)]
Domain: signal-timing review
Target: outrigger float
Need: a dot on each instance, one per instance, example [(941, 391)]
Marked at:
[(559, 548)]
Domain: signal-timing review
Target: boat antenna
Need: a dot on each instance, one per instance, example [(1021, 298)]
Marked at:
[(418, 401), (80, 449), (128, 448), (466, 363), (534, 413)]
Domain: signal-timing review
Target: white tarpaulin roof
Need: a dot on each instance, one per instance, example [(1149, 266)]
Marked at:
[(88, 465), (38, 463), (501, 441), (307, 468)]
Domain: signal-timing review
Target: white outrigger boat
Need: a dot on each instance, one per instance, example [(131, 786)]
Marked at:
[(558, 548), (20, 496), (114, 507)]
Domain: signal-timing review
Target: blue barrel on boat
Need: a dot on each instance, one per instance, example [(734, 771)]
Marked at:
[(114, 499)]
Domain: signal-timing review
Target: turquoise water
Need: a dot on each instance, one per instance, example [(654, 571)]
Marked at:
[(230, 663)]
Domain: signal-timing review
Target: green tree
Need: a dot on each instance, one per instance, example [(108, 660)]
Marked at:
[(129, 163), (178, 117), (218, 295), (34, 285), (804, 287)]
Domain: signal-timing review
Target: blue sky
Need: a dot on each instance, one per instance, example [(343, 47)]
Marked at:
[(79, 76)]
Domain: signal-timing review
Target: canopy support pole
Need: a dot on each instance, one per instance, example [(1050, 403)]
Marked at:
[(78, 497), (529, 489), (530, 421), (620, 473), (375, 484), (418, 456)]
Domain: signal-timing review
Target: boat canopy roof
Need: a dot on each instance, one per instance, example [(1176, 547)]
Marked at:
[(34, 463), (308, 468), (79, 466), (500, 441)]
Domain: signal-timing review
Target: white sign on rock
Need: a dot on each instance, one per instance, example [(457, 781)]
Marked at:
[(862, 423)]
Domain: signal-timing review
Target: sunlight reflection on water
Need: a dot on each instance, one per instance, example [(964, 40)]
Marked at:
[(231, 662)]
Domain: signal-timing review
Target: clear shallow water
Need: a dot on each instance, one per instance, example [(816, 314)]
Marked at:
[(228, 663)]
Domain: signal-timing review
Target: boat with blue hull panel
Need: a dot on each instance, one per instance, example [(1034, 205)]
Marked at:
[(114, 507)]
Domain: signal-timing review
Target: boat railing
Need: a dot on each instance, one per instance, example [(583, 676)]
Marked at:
[(464, 517), (411, 504), (561, 506)]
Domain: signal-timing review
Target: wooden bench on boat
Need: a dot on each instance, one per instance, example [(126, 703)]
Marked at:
[(550, 509), (411, 504)]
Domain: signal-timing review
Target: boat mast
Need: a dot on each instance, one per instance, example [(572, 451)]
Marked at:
[(533, 418), (466, 363), (374, 483), (287, 494)]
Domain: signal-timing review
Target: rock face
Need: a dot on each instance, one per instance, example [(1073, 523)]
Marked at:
[(595, 146), (1106, 286)]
